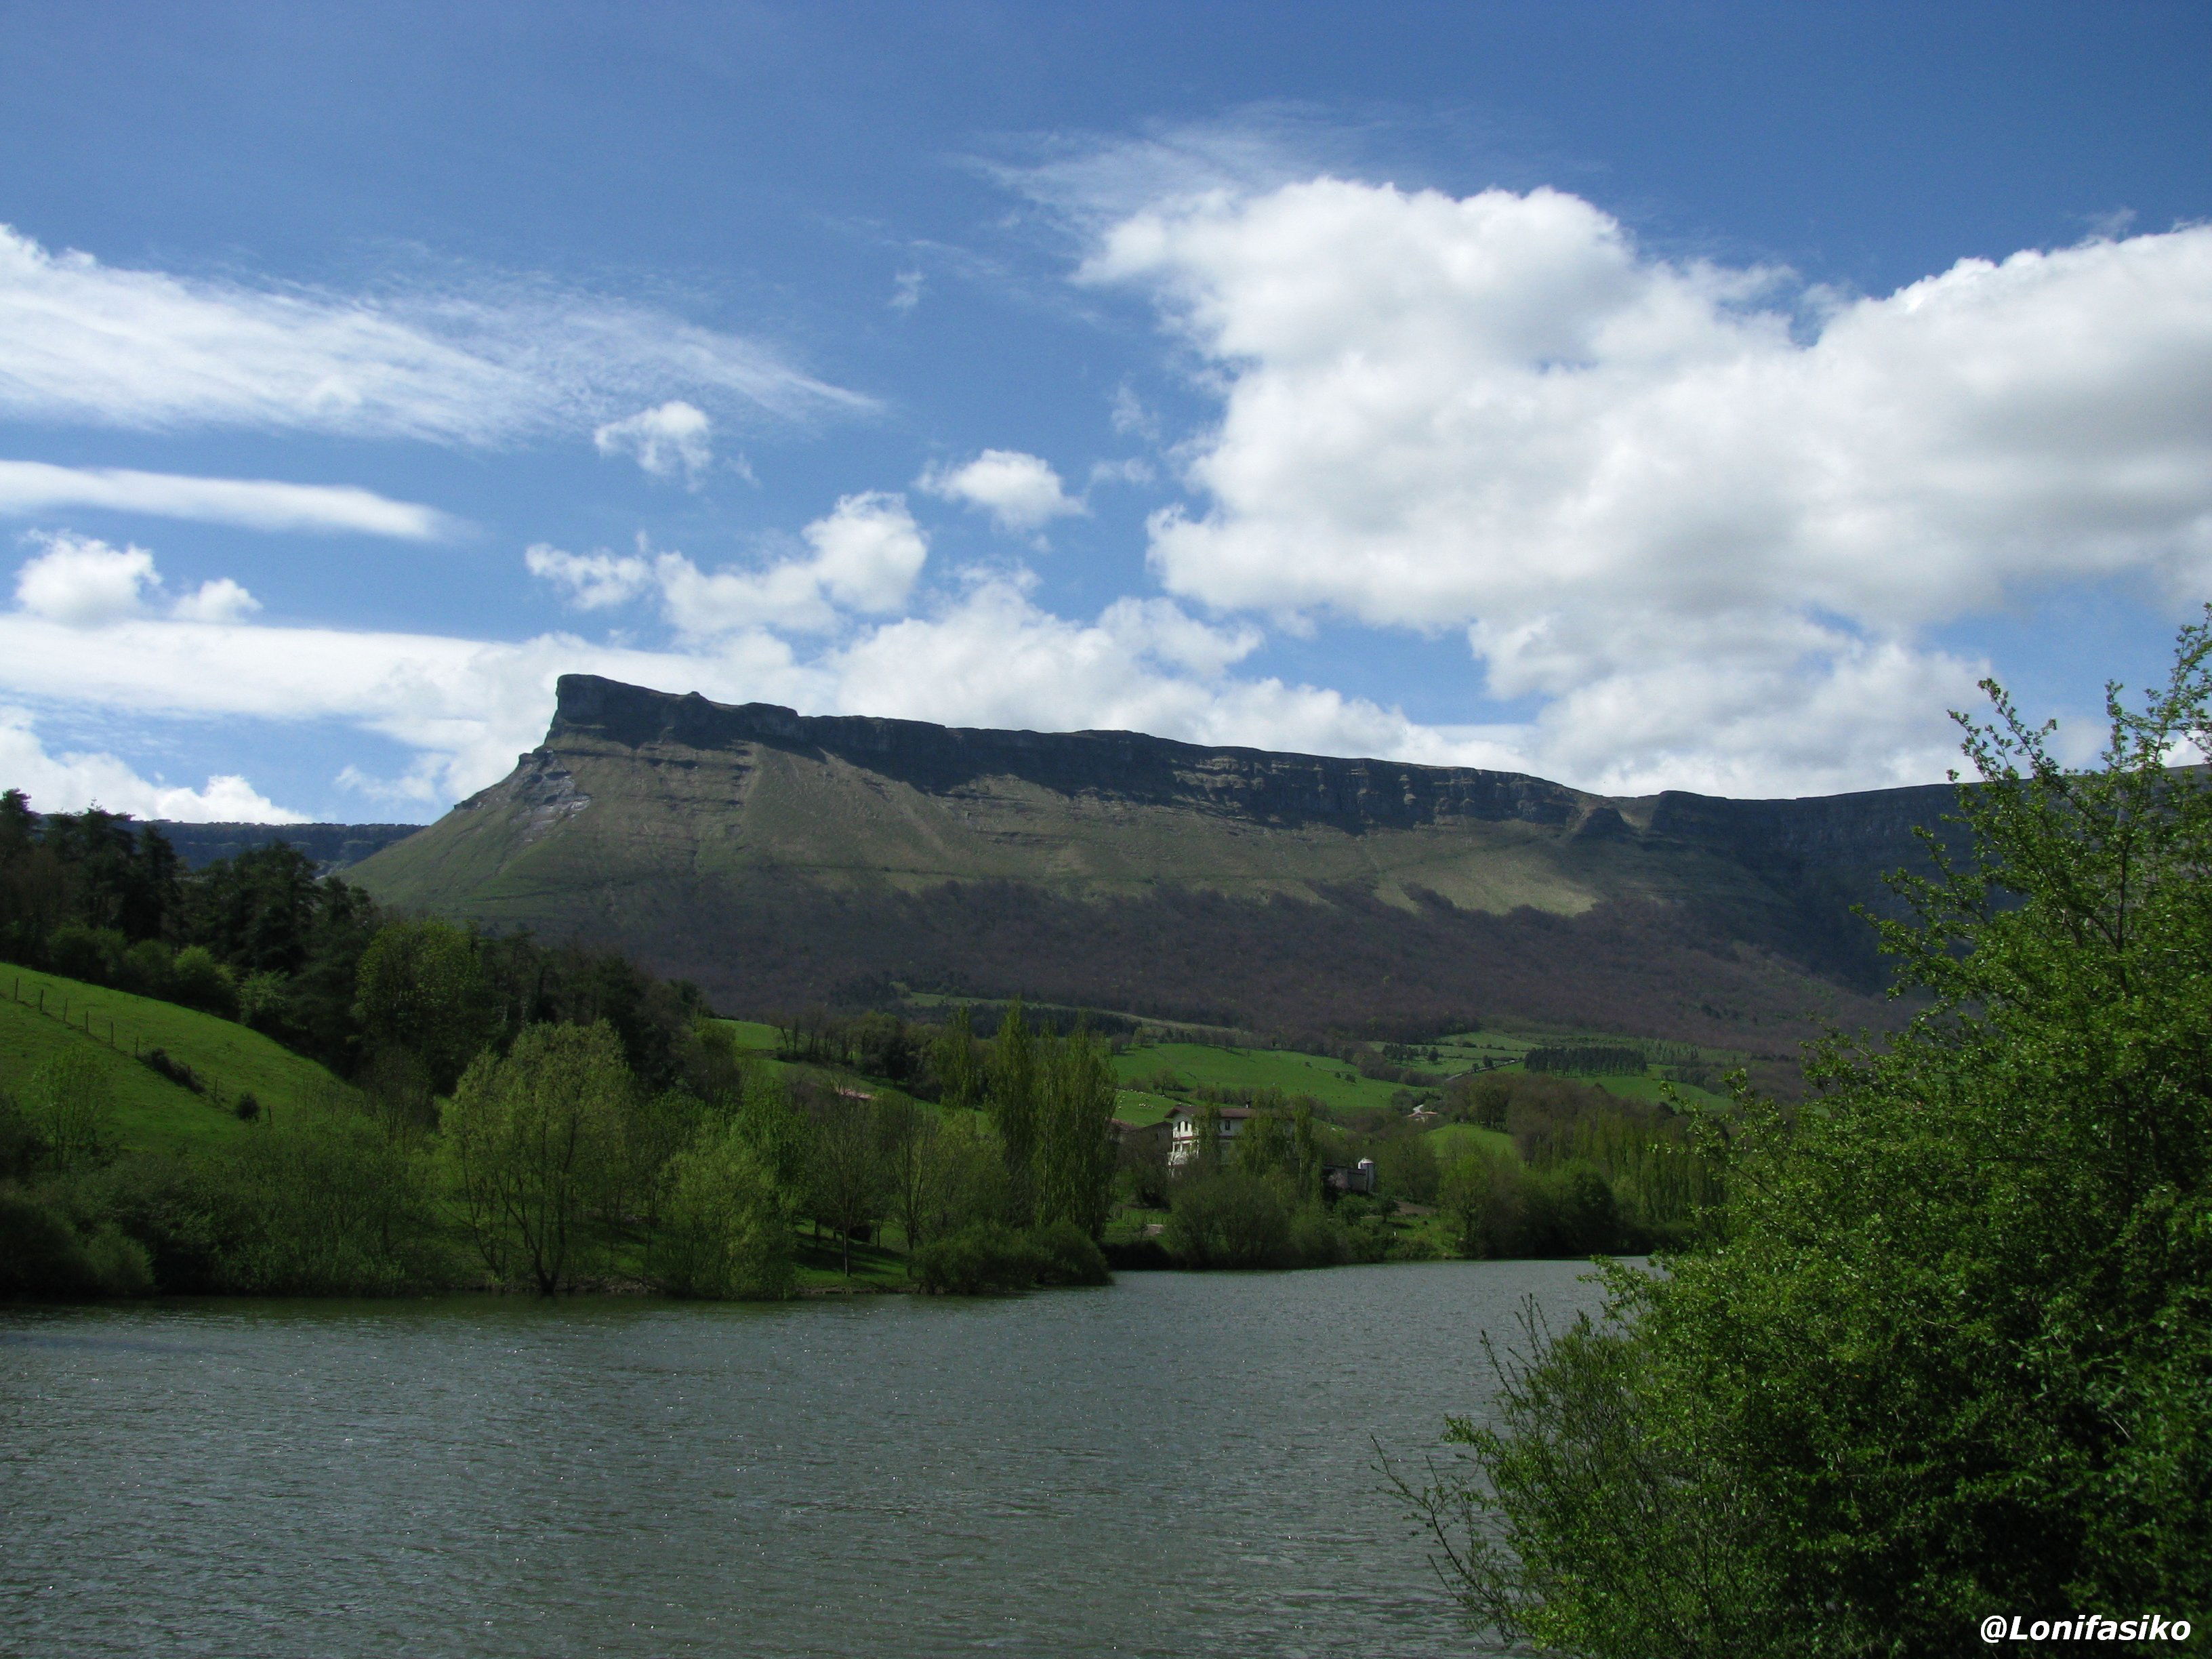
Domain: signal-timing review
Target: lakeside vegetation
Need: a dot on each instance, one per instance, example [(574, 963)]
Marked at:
[(1944, 1343), (252, 1079)]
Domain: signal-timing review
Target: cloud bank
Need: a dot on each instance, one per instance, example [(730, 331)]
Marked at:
[(1702, 514)]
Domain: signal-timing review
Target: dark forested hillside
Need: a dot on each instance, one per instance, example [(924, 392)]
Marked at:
[(778, 860)]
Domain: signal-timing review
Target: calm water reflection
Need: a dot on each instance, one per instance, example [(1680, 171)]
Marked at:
[(1179, 1465)]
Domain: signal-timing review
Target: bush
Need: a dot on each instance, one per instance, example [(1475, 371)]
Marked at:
[(322, 1204), (979, 1259), (119, 1264), (146, 969), (1368, 1240), (198, 980), (1945, 1345), (1068, 1256), (264, 1001), (72, 1102), (39, 1255), (93, 954), (23, 1147), (1317, 1239), (42, 1258), (1229, 1220)]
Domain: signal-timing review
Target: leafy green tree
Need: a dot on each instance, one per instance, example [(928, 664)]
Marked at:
[(1946, 1348), (419, 988), (726, 1230), (535, 1140), (321, 1202), (1011, 1073), (846, 1187), (959, 1063), (72, 1102), (1075, 1150), (198, 980)]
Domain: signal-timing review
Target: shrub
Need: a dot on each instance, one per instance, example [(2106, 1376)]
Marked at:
[(159, 1060), (322, 1204), (1069, 1255), (23, 1147), (1317, 1240), (146, 969), (248, 1108), (72, 1102), (264, 1000), (95, 954), (198, 980), (982, 1259), (117, 1264), (1229, 1220), (1368, 1240), (39, 1255)]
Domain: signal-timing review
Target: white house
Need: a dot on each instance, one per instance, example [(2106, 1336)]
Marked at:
[(1183, 1129)]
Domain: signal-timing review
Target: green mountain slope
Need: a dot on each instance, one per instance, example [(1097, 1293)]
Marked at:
[(779, 860)]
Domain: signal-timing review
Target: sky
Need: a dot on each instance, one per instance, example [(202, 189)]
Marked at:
[(1651, 396)]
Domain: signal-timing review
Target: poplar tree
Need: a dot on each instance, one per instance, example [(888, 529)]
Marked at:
[(1075, 1150), (1012, 1073)]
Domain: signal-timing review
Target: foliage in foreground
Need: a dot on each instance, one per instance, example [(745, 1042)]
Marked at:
[(1948, 1349)]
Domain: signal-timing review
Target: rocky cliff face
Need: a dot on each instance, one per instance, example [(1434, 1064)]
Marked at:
[(780, 859)]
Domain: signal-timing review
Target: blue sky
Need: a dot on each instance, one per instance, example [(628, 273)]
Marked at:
[(1698, 396)]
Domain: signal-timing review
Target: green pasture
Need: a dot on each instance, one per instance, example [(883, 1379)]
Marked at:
[(1332, 1082), (1457, 1140), (152, 1112)]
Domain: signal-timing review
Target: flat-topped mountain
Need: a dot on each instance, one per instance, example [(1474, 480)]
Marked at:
[(779, 860)]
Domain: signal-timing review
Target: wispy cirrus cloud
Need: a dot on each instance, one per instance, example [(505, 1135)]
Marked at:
[(28, 487), (483, 361)]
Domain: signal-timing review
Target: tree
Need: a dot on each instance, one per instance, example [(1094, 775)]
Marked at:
[(726, 1230), (73, 1102), (845, 1184), (1075, 1150), (1946, 1346), (421, 988), (1012, 1075), (535, 1140), (958, 1065)]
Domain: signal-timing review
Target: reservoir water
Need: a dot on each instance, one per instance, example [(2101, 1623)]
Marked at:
[(1181, 1464)]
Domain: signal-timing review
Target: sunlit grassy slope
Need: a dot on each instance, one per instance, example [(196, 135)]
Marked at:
[(152, 1112)]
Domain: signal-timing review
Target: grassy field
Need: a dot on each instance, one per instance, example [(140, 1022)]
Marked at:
[(152, 1112), (1332, 1082), (1453, 1140)]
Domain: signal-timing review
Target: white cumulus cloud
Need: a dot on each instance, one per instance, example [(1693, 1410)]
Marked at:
[(81, 582), (1702, 516), (479, 361), (71, 782), (865, 555), (33, 487), (1022, 493), (676, 437), (591, 581)]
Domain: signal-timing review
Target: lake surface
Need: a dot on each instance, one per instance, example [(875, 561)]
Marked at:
[(1183, 1464)]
